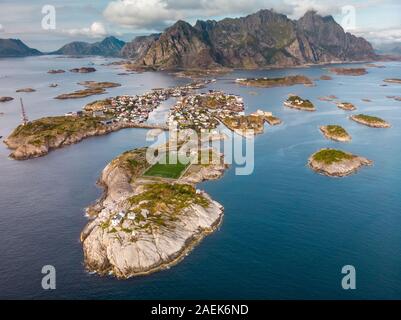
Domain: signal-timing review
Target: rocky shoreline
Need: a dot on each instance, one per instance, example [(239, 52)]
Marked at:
[(397, 81), (296, 102), (349, 71), (28, 147), (336, 163), (346, 106), (6, 99), (144, 243), (275, 82), (335, 133), (370, 121)]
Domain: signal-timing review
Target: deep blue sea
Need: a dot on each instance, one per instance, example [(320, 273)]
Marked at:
[(287, 231)]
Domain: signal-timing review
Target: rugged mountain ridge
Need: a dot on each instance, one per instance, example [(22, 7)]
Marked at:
[(263, 39), (16, 48), (110, 46)]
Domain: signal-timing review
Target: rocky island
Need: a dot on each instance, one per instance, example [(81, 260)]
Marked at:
[(39, 137), (92, 88), (346, 106), (275, 82), (336, 163), (102, 85), (349, 71), (336, 133), (202, 73), (81, 94), (396, 98), (370, 121), (26, 90), (296, 102), (145, 223), (398, 81), (6, 99), (55, 71), (83, 70)]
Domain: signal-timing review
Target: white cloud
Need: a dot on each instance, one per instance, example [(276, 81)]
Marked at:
[(1, 28), (156, 14), (140, 13), (96, 30), (380, 36)]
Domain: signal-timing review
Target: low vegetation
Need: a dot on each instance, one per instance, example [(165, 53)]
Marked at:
[(330, 156), (276, 82), (81, 93), (337, 131), (38, 131), (173, 197), (369, 119), (298, 102)]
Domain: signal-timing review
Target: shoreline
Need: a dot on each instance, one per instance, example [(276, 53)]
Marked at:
[(145, 253), (26, 151)]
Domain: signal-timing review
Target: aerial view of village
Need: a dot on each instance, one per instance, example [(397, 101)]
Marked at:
[(163, 149)]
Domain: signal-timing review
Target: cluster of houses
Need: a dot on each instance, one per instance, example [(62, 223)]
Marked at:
[(136, 109), (74, 114), (204, 111), (119, 217)]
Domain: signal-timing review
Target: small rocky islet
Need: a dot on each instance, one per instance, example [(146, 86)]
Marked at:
[(275, 82), (349, 71), (370, 121), (346, 106), (336, 133), (56, 71), (6, 99), (25, 90), (296, 102), (92, 88), (393, 80), (336, 163), (83, 70)]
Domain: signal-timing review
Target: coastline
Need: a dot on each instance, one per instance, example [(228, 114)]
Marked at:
[(22, 150), (145, 253)]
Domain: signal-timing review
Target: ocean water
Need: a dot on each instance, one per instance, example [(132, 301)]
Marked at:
[(287, 232)]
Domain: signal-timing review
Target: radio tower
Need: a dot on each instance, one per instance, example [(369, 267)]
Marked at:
[(24, 117)]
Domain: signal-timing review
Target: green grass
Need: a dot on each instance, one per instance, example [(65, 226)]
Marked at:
[(167, 170), (369, 119), (337, 131), (39, 131), (329, 156), (167, 198)]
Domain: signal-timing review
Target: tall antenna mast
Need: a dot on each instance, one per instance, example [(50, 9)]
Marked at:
[(24, 117)]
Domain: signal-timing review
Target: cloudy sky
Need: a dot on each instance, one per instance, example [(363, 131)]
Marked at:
[(91, 20)]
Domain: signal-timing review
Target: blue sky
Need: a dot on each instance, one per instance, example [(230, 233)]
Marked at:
[(91, 20)]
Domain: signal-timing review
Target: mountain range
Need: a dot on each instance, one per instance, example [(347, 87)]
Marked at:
[(265, 38), (110, 46), (16, 48), (262, 39), (392, 48)]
